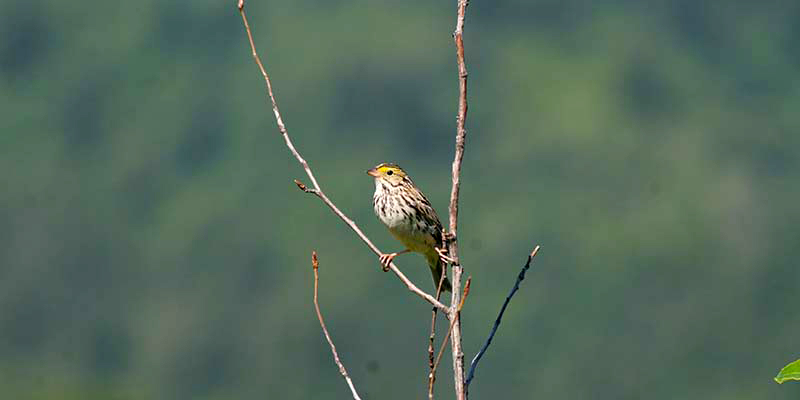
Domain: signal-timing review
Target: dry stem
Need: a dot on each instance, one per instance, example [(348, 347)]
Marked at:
[(461, 133), (432, 377), (342, 370), (431, 365), (316, 188), (499, 318)]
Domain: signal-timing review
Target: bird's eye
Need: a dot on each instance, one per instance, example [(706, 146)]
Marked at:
[(390, 172)]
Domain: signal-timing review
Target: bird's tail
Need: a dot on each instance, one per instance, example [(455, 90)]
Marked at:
[(437, 269)]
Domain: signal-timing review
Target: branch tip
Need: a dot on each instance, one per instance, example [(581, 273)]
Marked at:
[(535, 250), (300, 185), (240, 5), (314, 261), (466, 293)]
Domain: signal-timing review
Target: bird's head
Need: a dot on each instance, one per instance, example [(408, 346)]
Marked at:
[(391, 173)]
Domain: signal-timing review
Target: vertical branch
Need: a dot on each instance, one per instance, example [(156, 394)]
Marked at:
[(461, 133), (342, 370), (461, 119)]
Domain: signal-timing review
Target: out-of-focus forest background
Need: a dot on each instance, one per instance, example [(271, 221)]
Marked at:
[(153, 245)]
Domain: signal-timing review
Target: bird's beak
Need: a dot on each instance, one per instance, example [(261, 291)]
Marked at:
[(372, 172)]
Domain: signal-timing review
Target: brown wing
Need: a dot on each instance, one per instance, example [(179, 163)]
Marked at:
[(435, 225)]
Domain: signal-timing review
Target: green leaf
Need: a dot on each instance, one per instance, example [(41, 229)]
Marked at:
[(791, 371)]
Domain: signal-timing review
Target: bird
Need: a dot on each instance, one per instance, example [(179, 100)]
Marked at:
[(410, 218)]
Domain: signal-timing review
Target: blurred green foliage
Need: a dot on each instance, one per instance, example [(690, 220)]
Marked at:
[(153, 245), (789, 372)]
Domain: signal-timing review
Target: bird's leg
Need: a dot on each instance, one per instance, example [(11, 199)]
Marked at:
[(447, 236), (387, 258)]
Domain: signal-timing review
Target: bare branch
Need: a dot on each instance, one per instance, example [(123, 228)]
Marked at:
[(432, 376), (497, 321), (461, 120), (316, 188), (342, 370), (461, 133)]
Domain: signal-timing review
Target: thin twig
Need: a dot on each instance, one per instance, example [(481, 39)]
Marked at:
[(461, 133), (316, 190), (431, 376), (342, 370), (444, 343), (497, 321)]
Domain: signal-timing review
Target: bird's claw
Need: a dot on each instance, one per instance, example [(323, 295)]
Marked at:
[(442, 255), (386, 259)]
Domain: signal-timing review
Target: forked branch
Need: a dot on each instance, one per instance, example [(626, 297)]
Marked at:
[(316, 190)]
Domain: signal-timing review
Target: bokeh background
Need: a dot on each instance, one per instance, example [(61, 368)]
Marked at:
[(153, 245)]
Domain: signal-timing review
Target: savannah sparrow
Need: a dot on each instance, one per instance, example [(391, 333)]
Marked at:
[(410, 218)]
